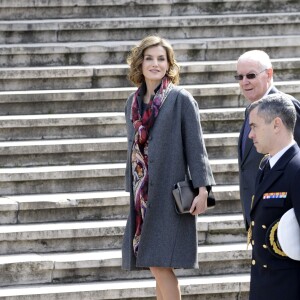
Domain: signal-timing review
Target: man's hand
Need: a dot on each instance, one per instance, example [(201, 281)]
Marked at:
[(199, 204)]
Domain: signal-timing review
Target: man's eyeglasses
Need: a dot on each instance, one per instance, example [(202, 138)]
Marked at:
[(248, 76)]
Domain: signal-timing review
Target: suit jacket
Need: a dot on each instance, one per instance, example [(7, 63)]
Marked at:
[(277, 193), (268, 207), (249, 162)]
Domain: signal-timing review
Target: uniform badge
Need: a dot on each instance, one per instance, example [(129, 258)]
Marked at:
[(272, 241), (275, 195)]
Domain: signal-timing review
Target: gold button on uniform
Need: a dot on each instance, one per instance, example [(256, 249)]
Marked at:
[(265, 266), (265, 246), (252, 242), (264, 226), (253, 262), (252, 223)]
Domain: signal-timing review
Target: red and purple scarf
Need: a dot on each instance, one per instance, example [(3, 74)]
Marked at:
[(139, 156)]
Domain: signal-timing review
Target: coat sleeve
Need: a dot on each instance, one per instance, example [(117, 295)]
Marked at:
[(297, 126), (129, 130), (295, 195), (194, 146)]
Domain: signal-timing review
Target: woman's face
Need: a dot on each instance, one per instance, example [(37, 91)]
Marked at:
[(155, 64)]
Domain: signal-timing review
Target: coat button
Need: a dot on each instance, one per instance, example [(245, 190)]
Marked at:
[(265, 266), (253, 262), (265, 246), (252, 223), (264, 226), (252, 242)]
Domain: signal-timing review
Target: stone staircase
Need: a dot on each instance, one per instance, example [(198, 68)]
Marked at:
[(63, 146)]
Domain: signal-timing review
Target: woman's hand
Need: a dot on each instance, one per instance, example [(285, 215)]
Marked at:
[(199, 204)]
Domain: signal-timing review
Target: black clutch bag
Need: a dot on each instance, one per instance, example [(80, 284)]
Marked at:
[(184, 193)]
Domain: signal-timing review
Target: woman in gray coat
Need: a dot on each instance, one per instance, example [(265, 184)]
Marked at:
[(165, 143)]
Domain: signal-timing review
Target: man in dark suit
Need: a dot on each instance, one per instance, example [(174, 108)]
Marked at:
[(277, 189), (255, 76)]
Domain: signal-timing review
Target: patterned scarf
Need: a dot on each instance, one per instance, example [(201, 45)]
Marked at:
[(139, 157)]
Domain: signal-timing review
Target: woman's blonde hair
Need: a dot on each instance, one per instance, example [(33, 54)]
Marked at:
[(136, 57)]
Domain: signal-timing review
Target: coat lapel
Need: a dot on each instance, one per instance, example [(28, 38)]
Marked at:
[(248, 147), (249, 143), (273, 90), (277, 170)]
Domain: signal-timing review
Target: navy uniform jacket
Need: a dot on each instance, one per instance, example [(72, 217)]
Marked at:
[(277, 193), (249, 162)]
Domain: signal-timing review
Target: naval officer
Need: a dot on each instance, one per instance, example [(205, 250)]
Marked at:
[(274, 275)]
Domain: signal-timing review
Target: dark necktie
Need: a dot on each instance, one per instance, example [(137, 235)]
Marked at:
[(265, 171)]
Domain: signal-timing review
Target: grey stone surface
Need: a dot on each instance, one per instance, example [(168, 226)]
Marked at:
[(112, 76), (103, 29), (92, 151), (106, 234), (107, 205), (95, 125), (62, 149), (105, 265), (226, 286), (80, 178), (113, 99), (12, 9), (115, 52)]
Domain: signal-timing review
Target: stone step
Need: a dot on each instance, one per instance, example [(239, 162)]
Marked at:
[(115, 52), (98, 205), (120, 29), (90, 177), (113, 99), (221, 120), (60, 179), (71, 239), (112, 76), (53, 126), (78, 151), (37, 9), (105, 235), (104, 125), (64, 101), (92, 151), (225, 287), (39, 208), (100, 265)]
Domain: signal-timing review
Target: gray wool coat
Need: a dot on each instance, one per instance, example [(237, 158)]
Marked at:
[(175, 142)]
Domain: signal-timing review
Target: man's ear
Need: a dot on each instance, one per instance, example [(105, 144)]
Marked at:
[(277, 124), (270, 73)]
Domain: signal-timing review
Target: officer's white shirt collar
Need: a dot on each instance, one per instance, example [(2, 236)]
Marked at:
[(273, 159)]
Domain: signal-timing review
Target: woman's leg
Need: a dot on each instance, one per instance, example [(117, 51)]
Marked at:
[(159, 295), (167, 287)]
